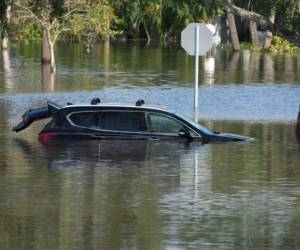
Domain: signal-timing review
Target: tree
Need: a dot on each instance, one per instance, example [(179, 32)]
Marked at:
[(250, 5), (51, 17), (55, 17), (233, 31), (139, 16), (176, 15), (5, 14), (93, 20), (253, 33), (162, 18)]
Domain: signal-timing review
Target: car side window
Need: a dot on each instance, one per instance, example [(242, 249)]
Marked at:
[(86, 119), (123, 121), (162, 124)]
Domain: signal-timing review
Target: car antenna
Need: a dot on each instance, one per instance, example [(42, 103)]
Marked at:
[(140, 102), (95, 101)]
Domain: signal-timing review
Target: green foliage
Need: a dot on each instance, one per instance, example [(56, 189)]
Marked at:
[(146, 13), (243, 46), (30, 33), (280, 45), (178, 14), (250, 46), (137, 16), (83, 19), (225, 46), (95, 19), (246, 45), (161, 19)]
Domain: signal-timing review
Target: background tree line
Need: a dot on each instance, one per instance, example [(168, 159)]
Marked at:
[(88, 20), (137, 19)]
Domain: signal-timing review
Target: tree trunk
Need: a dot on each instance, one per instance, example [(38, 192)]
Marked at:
[(46, 53), (107, 38), (267, 40), (48, 50), (5, 40), (106, 41), (233, 32), (147, 32), (48, 79), (52, 63), (253, 33), (262, 22), (5, 33), (224, 30)]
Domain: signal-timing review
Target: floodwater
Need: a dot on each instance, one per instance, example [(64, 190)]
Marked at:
[(152, 195)]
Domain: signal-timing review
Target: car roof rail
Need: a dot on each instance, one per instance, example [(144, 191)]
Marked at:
[(95, 101), (140, 102)]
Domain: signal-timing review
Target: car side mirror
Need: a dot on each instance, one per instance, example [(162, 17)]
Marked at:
[(184, 133)]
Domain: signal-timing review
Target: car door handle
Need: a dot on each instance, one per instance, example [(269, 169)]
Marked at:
[(154, 139), (97, 136)]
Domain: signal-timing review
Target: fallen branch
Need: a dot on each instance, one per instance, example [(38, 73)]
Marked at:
[(262, 22)]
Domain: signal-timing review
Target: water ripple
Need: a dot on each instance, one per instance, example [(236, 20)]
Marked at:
[(272, 103)]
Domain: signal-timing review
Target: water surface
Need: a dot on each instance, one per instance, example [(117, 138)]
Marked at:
[(153, 195)]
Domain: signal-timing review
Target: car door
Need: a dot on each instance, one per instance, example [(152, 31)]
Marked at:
[(110, 124), (162, 126), (123, 124)]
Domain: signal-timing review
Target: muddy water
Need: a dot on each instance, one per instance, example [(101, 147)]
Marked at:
[(153, 195)]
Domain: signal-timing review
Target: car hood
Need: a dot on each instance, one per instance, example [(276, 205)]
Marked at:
[(230, 137)]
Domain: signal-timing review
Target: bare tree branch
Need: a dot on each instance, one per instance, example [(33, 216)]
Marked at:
[(69, 13), (29, 12)]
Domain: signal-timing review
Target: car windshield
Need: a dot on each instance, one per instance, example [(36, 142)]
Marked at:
[(195, 124)]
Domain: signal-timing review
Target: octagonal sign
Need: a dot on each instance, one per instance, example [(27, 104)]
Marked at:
[(188, 38)]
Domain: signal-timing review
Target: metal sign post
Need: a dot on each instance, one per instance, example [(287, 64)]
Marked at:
[(196, 68), (197, 39)]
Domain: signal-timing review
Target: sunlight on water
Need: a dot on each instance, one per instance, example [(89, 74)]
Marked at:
[(272, 103), (152, 194)]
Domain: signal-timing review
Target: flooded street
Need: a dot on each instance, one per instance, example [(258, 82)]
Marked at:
[(152, 194)]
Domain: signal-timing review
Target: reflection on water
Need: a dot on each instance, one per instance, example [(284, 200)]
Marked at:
[(100, 151), (135, 65), (48, 79), (151, 194), (275, 103), (137, 194)]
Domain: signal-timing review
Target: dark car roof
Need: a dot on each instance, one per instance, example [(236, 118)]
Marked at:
[(114, 106)]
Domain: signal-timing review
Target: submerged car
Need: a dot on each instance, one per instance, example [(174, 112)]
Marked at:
[(116, 121)]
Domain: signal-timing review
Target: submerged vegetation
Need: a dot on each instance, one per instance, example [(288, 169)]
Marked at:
[(280, 45)]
